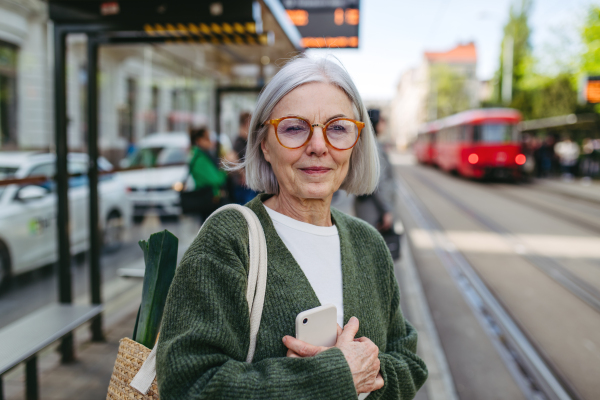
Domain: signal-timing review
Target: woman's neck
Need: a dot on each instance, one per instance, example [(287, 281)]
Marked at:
[(312, 211)]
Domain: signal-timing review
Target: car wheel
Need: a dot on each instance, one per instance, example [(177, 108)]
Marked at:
[(113, 232), (5, 274)]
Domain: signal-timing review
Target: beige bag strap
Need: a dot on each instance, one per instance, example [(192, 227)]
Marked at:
[(255, 295)]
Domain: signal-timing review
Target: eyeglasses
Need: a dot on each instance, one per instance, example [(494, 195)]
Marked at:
[(295, 132)]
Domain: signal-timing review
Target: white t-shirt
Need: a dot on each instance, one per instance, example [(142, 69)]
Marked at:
[(317, 250)]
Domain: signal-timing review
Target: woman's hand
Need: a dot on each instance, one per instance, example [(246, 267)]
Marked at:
[(361, 355), (298, 348)]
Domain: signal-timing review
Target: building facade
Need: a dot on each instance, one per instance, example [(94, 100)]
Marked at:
[(142, 88), (444, 83)]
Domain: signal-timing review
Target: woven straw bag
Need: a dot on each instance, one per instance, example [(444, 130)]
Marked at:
[(134, 374)]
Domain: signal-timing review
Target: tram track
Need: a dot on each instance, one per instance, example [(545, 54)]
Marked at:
[(535, 374), (550, 266), (553, 210)]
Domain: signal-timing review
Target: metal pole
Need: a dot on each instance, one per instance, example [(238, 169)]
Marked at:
[(62, 182), (95, 232), (507, 69), (218, 121), (32, 391)]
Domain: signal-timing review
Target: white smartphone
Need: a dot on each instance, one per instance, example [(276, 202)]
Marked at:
[(318, 326)]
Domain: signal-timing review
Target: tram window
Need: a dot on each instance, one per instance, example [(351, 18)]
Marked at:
[(493, 133), (463, 133)]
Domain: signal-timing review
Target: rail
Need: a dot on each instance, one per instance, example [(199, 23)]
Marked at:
[(535, 376), (583, 290)]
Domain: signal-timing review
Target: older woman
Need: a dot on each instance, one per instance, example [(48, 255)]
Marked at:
[(308, 138)]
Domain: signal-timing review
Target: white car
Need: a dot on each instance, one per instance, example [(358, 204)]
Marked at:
[(163, 158), (28, 211)]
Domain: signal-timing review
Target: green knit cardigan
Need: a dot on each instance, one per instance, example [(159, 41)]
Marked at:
[(205, 330)]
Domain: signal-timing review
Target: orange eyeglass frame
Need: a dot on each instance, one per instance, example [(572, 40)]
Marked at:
[(275, 123)]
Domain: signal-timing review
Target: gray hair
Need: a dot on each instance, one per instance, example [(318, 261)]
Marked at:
[(363, 173)]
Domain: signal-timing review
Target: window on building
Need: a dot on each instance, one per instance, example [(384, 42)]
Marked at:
[(8, 94)]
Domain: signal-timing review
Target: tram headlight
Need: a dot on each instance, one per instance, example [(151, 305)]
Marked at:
[(520, 159), (473, 158)]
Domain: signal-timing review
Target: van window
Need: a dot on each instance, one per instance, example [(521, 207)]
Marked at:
[(148, 157)]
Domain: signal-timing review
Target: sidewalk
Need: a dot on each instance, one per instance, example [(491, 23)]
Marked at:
[(578, 188)]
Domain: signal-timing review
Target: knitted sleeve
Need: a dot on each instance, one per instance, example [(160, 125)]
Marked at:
[(402, 370), (205, 332)]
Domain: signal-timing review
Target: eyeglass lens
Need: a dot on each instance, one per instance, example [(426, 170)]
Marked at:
[(293, 132)]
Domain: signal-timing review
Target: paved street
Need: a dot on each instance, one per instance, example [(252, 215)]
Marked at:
[(537, 251)]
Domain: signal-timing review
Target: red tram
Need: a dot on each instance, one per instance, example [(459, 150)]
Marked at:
[(425, 145), (477, 143)]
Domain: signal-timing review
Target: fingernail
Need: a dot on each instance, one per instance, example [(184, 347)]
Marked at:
[(284, 339)]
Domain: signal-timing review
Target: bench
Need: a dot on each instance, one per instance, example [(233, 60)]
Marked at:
[(23, 339)]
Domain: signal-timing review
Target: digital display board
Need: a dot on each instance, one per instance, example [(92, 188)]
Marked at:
[(592, 90), (325, 23)]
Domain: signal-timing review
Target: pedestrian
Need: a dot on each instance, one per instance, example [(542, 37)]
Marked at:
[(377, 208), (568, 153), (242, 193), (546, 156), (307, 139), (204, 168), (587, 161)]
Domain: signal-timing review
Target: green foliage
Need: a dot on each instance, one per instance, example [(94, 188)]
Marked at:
[(550, 97), (450, 91), (547, 87), (518, 29), (160, 257), (590, 59)]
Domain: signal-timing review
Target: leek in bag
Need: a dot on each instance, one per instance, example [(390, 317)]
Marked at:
[(160, 257)]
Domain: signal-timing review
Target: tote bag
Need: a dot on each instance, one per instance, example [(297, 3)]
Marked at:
[(134, 373)]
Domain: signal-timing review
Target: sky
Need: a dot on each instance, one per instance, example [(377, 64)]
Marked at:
[(395, 33)]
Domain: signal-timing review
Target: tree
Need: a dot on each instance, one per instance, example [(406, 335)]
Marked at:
[(590, 59), (546, 86), (515, 46), (450, 91)]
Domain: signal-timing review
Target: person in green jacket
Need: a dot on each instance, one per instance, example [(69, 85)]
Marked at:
[(309, 136), (203, 166)]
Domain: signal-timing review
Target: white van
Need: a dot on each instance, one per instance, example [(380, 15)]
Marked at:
[(163, 158)]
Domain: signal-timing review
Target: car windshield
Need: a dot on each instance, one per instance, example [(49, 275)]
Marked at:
[(158, 156), (6, 173), (495, 133)]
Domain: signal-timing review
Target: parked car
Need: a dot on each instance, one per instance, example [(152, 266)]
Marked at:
[(28, 211), (163, 158)]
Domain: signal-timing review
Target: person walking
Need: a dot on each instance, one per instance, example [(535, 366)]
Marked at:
[(307, 139), (568, 153), (204, 167), (546, 156), (241, 192), (377, 208)]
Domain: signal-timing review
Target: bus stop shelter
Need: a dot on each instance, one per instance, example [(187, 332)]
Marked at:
[(242, 31)]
